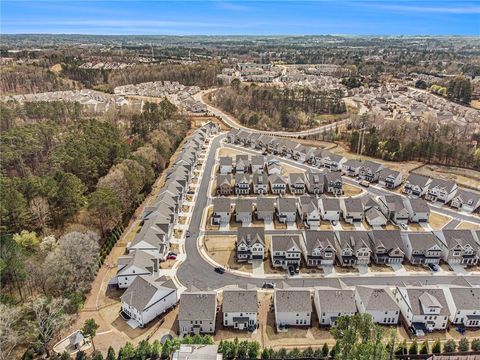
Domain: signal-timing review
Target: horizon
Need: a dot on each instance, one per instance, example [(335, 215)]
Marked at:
[(241, 18)]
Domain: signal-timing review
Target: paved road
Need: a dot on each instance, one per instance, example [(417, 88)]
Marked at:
[(229, 120), (195, 270)]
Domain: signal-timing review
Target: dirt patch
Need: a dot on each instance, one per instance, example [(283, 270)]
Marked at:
[(177, 233), (227, 151), (278, 225), (467, 225), (391, 226), (167, 264), (380, 268), (437, 221), (410, 267), (463, 177), (222, 250), (270, 269), (350, 190), (326, 225), (289, 169), (415, 227), (346, 226), (345, 269)]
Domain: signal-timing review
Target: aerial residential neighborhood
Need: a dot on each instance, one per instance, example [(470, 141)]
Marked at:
[(228, 180)]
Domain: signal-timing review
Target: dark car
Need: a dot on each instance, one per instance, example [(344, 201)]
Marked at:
[(171, 257), (433, 267), (188, 233), (219, 270), (291, 270), (172, 253), (268, 285)]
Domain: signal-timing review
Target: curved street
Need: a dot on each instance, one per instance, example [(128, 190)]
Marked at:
[(197, 271)]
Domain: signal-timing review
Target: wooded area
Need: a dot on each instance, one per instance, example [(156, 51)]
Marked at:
[(277, 109)]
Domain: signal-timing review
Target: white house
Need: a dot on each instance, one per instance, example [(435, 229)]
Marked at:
[(318, 247), (133, 265), (421, 248), (146, 298), (226, 165), (293, 307), (377, 302), (416, 185), (330, 209), (352, 210), (222, 211), (464, 305), (240, 307), (467, 201), (393, 207), (198, 312), (308, 211), (250, 244), (418, 210), (331, 303), (441, 190), (285, 251), (389, 179), (287, 210), (370, 170), (458, 246), (424, 309)]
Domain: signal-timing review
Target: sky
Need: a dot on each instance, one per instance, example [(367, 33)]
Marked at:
[(235, 17)]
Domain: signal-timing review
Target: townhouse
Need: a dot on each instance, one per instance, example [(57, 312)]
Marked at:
[(258, 164), (274, 168), (250, 244), (308, 211), (136, 264), (424, 309), (278, 184), (418, 210), (329, 209), (244, 211), (465, 200), (287, 210), (222, 211), (314, 182), (332, 303), (334, 183), (197, 312), (293, 307), (146, 298), (458, 246), (378, 303), (285, 251), (441, 190), (352, 210), (225, 165), (464, 306), (242, 164), (265, 208), (370, 170), (352, 248), (375, 218), (393, 208), (389, 179), (351, 167), (296, 183), (387, 246), (318, 247), (242, 184), (260, 184), (416, 185), (224, 185), (240, 308), (422, 248), (332, 161)]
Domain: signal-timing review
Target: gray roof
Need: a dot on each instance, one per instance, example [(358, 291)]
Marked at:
[(372, 214), (265, 204), (353, 204), (295, 178), (354, 239), (390, 239), (352, 163), (315, 178), (368, 202), (466, 298), (466, 196), (318, 239), (330, 204), (422, 240), (460, 237), (221, 205), (226, 160), (446, 185), (285, 242), (287, 204), (376, 299), (386, 172), (293, 300), (372, 166), (393, 202), (242, 178), (427, 297), (199, 305), (260, 179), (197, 352), (419, 205), (308, 204), (277, 179), (143, 288), (251, 235), (336, 300), (417, 179), (243, 205), (240, 300), (224, 179), (258, 160), (333, 176)]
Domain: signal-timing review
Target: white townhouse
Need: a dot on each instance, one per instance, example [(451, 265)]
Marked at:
[(393, 207), (421, 248), (287, 210), (418, 210), (133, 265), (244, 211), (318, 247), (296, 183), (258, 164), (250, 244), (198, 312), (351, 167), (464, 306), (389, 179), (441, 190), (240, 307), (278, 184), (352, 210), (225, 165), (293, 307), (424, 309), (459, 246), (148, 297), (465, 200), (332, 303), (416, 185), (370, 170), (353, 248), (308, 211), (285, 251), (222, 211), (330, 209), (332, 161), (377, 302), (260, 184)]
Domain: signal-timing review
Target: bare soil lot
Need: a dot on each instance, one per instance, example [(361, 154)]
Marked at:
[(467, 225), (437, 221), (464, 177), (222, 250), (350, 190)]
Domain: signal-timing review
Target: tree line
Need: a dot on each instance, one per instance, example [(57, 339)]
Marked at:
[(274, 108)]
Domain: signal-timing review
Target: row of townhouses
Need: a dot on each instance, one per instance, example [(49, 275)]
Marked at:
[(312, 182), (444, 191), (148, 294), (423, 309), (318, 248), (310, 210)]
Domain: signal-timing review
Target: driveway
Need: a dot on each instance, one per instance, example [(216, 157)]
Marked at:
[(257, 267)]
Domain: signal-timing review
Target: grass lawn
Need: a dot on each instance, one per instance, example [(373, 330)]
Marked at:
[(438, 221), (467, 225), (350, 190)]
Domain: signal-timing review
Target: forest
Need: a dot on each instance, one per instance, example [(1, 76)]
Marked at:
[(69, 183), (428, 141), (277, 109)]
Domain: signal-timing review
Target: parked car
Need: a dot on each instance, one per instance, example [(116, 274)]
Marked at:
[(268, 285), (187, 233), (433, 267), (171, 257), (172, 253), (297, 269), (219, 270), (364, 183), (291, 270)]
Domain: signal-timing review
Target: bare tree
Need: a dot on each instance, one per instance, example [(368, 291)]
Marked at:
[(9, 331), (47, 319)]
